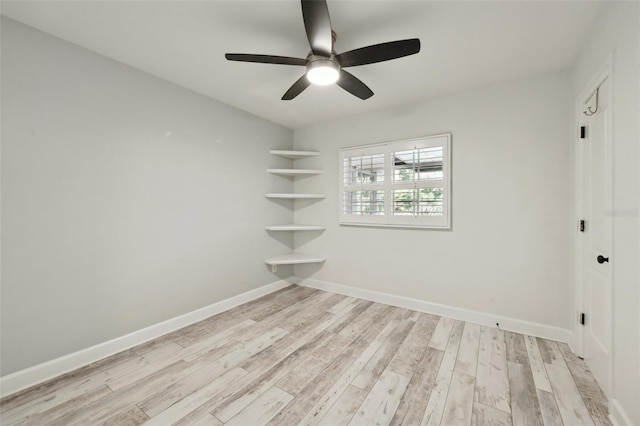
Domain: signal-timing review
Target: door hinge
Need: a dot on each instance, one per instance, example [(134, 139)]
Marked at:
[(582, 318), (583, 132), (582, 225)]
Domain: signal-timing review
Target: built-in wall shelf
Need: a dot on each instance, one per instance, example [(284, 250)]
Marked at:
[(294, 155), (294, 259), (294, 227), (294, 172), (297, 196)]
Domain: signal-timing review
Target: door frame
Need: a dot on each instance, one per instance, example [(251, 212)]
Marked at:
[(605, 72)]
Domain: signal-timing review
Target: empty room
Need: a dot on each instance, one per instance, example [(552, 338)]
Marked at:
[(320, 212)]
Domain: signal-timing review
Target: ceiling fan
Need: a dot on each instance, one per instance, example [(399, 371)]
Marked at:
[(324, 65)]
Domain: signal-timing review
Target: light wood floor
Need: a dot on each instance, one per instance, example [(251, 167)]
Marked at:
[(302, 356)]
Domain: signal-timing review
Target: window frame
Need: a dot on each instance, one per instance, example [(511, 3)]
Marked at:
[(388, 219)]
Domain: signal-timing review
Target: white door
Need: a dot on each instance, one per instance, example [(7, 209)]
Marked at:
[(596, 239)]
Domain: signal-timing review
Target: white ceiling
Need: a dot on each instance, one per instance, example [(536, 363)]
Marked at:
[(464, 45)]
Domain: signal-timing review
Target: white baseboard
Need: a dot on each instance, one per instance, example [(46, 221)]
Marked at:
[(506, 323), (618, 415), (32, 376)]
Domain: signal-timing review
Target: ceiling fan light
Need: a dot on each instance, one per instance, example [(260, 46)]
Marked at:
[(323, 72)]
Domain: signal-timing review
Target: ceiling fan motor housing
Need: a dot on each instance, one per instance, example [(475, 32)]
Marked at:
[(322, 70)]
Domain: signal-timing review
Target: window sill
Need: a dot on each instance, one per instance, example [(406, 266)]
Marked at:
[(388, 225)]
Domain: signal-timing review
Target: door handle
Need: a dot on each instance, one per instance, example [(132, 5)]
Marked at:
[(601, 259)]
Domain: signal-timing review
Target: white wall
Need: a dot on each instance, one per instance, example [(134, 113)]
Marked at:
[(126, 200), (619, 31), (509, 250)]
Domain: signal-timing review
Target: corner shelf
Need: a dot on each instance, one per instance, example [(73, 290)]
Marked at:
[(294, 259), (296, 196), (294, 155), (294, 227), (294, 172)]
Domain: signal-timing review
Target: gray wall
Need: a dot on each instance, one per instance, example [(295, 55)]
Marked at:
[(509, 249), (126, 200)]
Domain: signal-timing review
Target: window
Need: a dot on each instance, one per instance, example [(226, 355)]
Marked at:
[(404, 183)]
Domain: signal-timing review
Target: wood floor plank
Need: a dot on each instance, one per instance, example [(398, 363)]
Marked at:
[(569, 356), (279, 368), (132, 417), (408, 356), (325, 402), (312, 321), (194, 376), (459, 406), (467, 361), (525, 408), (382, 401), (351, 315), (120, 401), (205, 371), (484, 415), (492, 380), (303, 312), (438, 398), (208, 420), (441, 333), (82, 385), (214, 341), (131, 366), (48, 416), (549, 409), (263, 307), (328, 347), (265, 316), (350, 306), (250, 348), (537, 364), (296, 410), (145, 370), (245, 390), (516, 348), (50, 387), (371, 372), (341, 412), (413, 403), (190, 403), (550, 352), (415, 315), (217, 323), (299, 377), (570, 404), (279, 305), (262, 409), (592, 395), (361, 318), (377, 323), (275, 351), (341, 305), (289, 317)]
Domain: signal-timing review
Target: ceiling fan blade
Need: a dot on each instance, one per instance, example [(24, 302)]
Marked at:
[(296, 88), (265, 59), (315, 14), (353, 85), (379, 52)]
